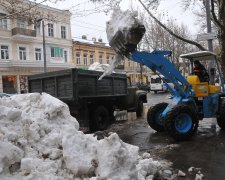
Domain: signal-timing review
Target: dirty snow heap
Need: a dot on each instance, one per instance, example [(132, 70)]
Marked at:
[(39, 139)]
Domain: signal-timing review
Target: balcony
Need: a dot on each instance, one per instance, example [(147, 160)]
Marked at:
[(5, 64), (21, 33)]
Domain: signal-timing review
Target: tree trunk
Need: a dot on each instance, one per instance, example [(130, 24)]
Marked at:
[(222, 51)]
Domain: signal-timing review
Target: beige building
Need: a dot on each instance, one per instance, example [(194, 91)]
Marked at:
[(21, 46), (86, 52)]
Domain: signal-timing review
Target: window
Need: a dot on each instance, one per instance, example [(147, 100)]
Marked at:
[(63, 32), (56, 52), (50, 30), (22, 53), (37, 29), (38, 54), (91, 59), (107, 60), (4, 52), (21, 23), (3, 22), (100, 59), (78, 58), (85, 59), (65, 56)]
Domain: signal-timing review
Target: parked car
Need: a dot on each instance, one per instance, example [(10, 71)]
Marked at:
[(143, 86), (157, 84)]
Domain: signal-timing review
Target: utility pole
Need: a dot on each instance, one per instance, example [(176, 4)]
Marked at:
[(210, 44), (44, 47)]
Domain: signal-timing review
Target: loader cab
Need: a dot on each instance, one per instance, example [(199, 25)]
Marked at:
[(203, 89)]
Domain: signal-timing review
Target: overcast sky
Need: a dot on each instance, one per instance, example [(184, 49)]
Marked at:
[(87, 20)]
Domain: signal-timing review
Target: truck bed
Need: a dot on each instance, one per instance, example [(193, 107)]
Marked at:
[(72, 84)]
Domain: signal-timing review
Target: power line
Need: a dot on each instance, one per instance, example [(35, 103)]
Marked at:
[(88, 23), (89, 28)]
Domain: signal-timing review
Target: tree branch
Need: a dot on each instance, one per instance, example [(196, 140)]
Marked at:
[(171, 32), (12, 15), (215, 19)]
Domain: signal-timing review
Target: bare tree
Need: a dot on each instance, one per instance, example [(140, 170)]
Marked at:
[(21, 9), (217, 15), (158, 38)]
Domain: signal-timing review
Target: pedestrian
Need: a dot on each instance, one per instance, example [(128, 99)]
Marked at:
[(200, 71)]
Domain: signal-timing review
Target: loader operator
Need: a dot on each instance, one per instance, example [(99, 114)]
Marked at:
[(200, 71)]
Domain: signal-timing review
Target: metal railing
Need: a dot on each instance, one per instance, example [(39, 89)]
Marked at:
[(23, 31)]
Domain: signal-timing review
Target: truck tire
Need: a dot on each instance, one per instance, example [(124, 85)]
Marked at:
[(100, 118), (221, 116), (140, 107), (155, 92), (153, 116), (181, 122)]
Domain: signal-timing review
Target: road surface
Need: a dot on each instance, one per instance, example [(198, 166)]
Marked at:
[(206, 150)]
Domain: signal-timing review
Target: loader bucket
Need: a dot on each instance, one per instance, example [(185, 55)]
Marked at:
[(125, 41)]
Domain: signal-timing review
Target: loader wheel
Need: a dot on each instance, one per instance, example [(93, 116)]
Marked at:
[(140, 107), (153, 116), (221, 117), (100, 120), (181, 122)]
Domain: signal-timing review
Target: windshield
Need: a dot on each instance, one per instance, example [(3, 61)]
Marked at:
[(156, 80)]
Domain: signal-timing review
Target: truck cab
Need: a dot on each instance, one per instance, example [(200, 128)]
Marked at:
[(135, 99)]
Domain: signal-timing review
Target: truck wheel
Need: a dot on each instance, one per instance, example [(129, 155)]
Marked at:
[(181, 122), (155, 92), (153, 116), (140, 107), (221, 117), (100, 119)]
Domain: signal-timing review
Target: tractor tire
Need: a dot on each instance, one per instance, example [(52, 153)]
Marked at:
[(181, 122), (100, 119), (140, 107), (221, 117), (153, 116)]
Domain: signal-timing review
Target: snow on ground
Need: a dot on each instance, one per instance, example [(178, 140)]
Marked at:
[(39, 139)]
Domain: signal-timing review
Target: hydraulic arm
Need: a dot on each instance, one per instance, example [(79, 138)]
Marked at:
[(158, 62)]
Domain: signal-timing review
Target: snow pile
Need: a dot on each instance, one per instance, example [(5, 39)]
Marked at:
[(98, 67), (106, 68), (40, 140)]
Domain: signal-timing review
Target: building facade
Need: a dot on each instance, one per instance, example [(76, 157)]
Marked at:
[(22, 48), (86, 52)]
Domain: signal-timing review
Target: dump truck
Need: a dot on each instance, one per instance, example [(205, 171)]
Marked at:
[(91, 101)]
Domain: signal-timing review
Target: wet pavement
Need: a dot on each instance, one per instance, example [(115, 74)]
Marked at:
[(206, 150)]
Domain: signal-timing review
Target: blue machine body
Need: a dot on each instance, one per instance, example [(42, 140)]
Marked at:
[(211, 106), (158, 62), (182, 92)]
